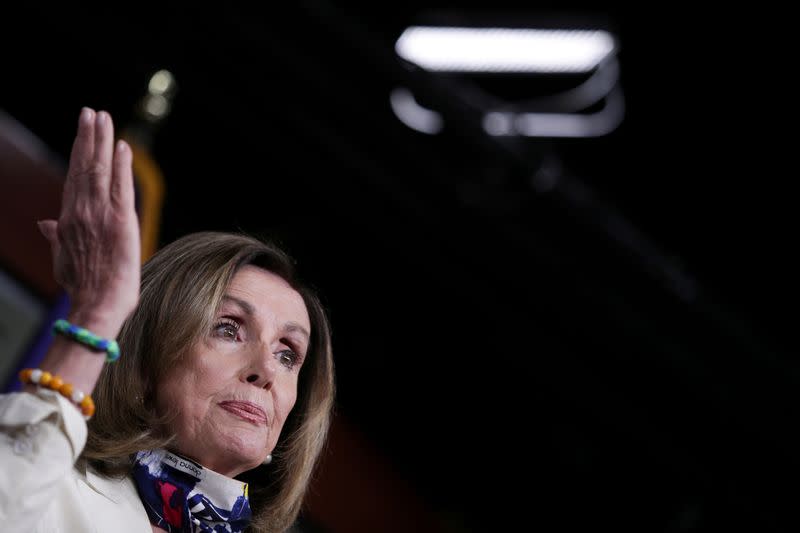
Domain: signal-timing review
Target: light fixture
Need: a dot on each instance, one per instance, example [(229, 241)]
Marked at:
[(504, 49), (592, 106)]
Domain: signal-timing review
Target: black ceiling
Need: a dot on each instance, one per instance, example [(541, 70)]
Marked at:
[(611, 352)]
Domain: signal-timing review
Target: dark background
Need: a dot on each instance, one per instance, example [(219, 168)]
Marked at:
[(615, 352)]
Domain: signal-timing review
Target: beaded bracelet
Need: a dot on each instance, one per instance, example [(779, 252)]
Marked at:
[(46, 379), (87, 338)]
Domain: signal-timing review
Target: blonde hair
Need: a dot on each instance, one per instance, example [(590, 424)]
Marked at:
[(182, 287)]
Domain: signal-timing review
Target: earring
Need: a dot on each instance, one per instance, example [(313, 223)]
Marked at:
[(268, 460)]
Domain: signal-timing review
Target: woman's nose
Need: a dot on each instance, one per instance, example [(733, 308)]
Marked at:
[(261, 368)]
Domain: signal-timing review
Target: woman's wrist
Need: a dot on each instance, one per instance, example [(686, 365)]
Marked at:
[(78, 362), (105, 323), (74, 362)]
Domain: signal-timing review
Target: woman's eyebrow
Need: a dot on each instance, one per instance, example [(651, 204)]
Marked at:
[(246, 307), (289, 327), (292, 327)]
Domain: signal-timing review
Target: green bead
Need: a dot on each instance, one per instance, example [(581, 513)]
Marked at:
[(86, 337)]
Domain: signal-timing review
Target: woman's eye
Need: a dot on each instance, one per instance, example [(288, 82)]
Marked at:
[(287, 358), (227, 330)]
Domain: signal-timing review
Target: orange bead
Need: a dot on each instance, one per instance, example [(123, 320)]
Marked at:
[(87, 406), (87, 401), (25, 375), (66, 389), (46, 378), (55, 383)]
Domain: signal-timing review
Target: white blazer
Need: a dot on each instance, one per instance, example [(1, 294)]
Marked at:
[(41, 490)]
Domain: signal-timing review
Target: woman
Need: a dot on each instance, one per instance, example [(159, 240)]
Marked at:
[(224, 365)]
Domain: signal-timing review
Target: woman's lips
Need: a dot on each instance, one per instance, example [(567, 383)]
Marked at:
[(246, 411)]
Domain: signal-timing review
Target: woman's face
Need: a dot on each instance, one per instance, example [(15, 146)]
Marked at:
[(234, 389)]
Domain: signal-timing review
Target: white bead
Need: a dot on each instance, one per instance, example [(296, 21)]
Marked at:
[(77, 396), (36, 375)]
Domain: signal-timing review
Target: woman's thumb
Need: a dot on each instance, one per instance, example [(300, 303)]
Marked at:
[(49, 230)]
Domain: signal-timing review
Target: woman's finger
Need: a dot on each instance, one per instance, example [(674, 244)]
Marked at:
[(122, 191), (99, 174), (80, 159)]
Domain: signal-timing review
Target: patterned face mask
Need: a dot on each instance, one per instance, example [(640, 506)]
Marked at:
[(183, 497)]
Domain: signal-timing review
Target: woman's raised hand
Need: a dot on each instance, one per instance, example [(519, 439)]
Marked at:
[(95, 242)]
